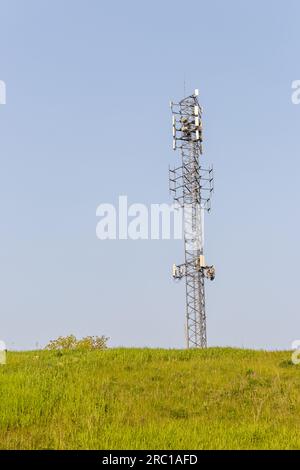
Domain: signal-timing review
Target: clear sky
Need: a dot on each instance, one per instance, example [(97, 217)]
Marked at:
[(87, 119)]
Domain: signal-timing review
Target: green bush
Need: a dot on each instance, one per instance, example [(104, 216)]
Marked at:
[(70, 342)]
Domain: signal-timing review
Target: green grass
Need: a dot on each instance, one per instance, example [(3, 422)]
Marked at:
[(150, 399)]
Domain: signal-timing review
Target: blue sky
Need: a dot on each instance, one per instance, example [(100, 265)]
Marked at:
[(87, 119)]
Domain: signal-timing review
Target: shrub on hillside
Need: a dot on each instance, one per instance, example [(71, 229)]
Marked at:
[(70, 342)]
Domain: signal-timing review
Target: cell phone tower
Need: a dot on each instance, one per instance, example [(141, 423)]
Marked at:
[(191, 186)]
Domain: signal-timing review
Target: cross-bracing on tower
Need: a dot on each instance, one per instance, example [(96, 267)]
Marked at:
[(191, 186)]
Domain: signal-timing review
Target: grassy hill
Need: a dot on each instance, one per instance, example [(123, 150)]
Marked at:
[(150, 399)]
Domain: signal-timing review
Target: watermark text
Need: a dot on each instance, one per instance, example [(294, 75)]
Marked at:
[(2, 92)]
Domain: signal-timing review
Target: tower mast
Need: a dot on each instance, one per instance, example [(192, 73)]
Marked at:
[(191, 186)]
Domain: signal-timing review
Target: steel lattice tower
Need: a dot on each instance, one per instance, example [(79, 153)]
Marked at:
[(191, 186)]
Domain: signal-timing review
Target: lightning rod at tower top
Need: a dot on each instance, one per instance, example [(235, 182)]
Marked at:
[(191, 185)]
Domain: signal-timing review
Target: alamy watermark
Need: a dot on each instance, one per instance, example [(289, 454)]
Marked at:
[(2, 92), (295, 92), (154, 222), (296, 352), (2, 353)]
